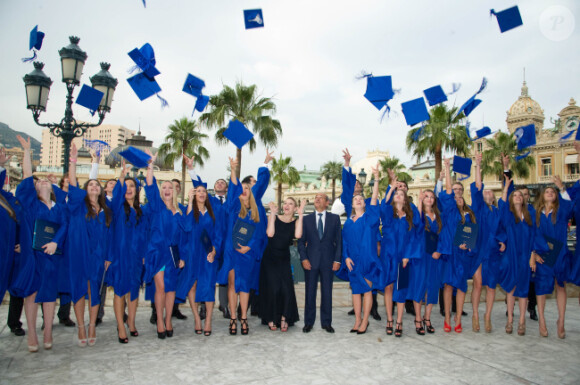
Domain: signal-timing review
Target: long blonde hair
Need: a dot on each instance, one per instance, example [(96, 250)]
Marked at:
[(253, 207), (6, 206), (174, 198)]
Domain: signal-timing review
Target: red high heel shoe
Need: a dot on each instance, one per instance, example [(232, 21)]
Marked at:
[(446, 327), (458, 329)]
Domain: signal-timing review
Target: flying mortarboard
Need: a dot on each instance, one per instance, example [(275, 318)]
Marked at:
[(144, 59), (90, 98), (238, 134), (379, 90), (143, 86), (415, 111), (253, 18), (136, 157), (201, 102), (198, 182), (508, 18), (472, 102), (483, 132), (435, 95), (34, 43), (193, 85), (525, 137), (462, 166)]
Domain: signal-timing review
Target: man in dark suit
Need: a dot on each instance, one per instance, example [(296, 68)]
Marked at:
[(320, 249)]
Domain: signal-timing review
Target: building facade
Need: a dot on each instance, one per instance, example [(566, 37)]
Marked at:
[(52, 148)]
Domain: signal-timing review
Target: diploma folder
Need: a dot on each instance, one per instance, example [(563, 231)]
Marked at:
[(44, 232), (466, 233), (175, 255), (402, 276), (555, 247), (431, 240), (206, 242), (242, 233)]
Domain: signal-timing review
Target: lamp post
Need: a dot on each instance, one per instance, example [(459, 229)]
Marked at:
[(362, 177), (38, 86)]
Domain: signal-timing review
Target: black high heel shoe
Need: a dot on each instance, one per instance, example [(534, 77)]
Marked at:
[(161, 335), (430, 329), (134, 333), (363, 332), (233, 327), (389, 328), (244, 322), (122, 340), (399, 330), (169, 333), (420, 330)]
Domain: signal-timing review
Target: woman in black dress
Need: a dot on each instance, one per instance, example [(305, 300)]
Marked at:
[(277, 297)]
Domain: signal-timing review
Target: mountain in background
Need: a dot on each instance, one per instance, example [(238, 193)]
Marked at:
[(8, 139)]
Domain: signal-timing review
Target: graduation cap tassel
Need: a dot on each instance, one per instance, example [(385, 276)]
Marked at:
[(29, 59), (455, 88), (492, 12), (144, 4), (386, 112), (133, 69), (483, 86), (363, 74), (164, 102)]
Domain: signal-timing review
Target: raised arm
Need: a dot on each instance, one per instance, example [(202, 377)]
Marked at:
[(392, 188), (95, 159), (124, 170), (377, 175), (506, 187), (190, 201), (448, 184), (26, 162), (263, 178), (149, 178), (72, 170), (300, 220), (478, 171), (271, 230), (233, 168)]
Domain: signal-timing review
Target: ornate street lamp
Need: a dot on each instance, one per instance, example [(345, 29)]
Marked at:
[(362, 177), (38, 86)]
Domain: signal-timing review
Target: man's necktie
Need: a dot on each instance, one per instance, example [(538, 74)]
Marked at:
[(320, 226)]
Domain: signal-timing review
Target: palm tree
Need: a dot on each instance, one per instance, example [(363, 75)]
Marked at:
[(183, 138), (505, 143), (332, 170), (244, 104), (284, 173), (443, 132), (393, 164)]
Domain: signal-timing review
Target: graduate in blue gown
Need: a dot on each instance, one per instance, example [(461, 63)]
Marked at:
[(239, 261), (426, 288), (198, 279), (86, 247), (128, 242), (458, 262), (519, 227), (491, 241), (9, 213), (167, 238), (398, 248), (360, 264), (552, 216), (574, 192), (34, 279)]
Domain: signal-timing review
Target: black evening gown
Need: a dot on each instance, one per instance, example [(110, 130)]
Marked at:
[(277, 296)]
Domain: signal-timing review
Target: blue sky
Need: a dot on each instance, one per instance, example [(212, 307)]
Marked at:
[(306, 58)]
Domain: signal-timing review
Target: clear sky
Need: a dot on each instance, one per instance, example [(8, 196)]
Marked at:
[(306, 58)]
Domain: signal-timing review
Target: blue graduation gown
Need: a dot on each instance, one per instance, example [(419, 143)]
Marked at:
[(166, 230), (398, 243), (457, 263), (127, 243), (8, 238), (86, 247), (244, 265), (197, 267), (488, 239), (37, 270), (359, 244), (515, 261), (544, 277), (574, 276)]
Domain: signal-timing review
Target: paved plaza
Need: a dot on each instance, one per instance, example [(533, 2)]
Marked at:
[(266, 357)]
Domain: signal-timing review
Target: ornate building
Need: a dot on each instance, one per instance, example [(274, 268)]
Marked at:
[(552, 155)]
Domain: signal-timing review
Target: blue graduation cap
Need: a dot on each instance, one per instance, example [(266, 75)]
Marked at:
[(462, 166), (238, 134), (482, 132), (136, 157), (143, 86), (144, 59), (198, 182), (193, 85), (415, 111), (253, 18), (472, 102), (96, 145), (435, 95), (508, 18), (34, 43), (90, 98), (525, 137), (379, 90), (201, 102)]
